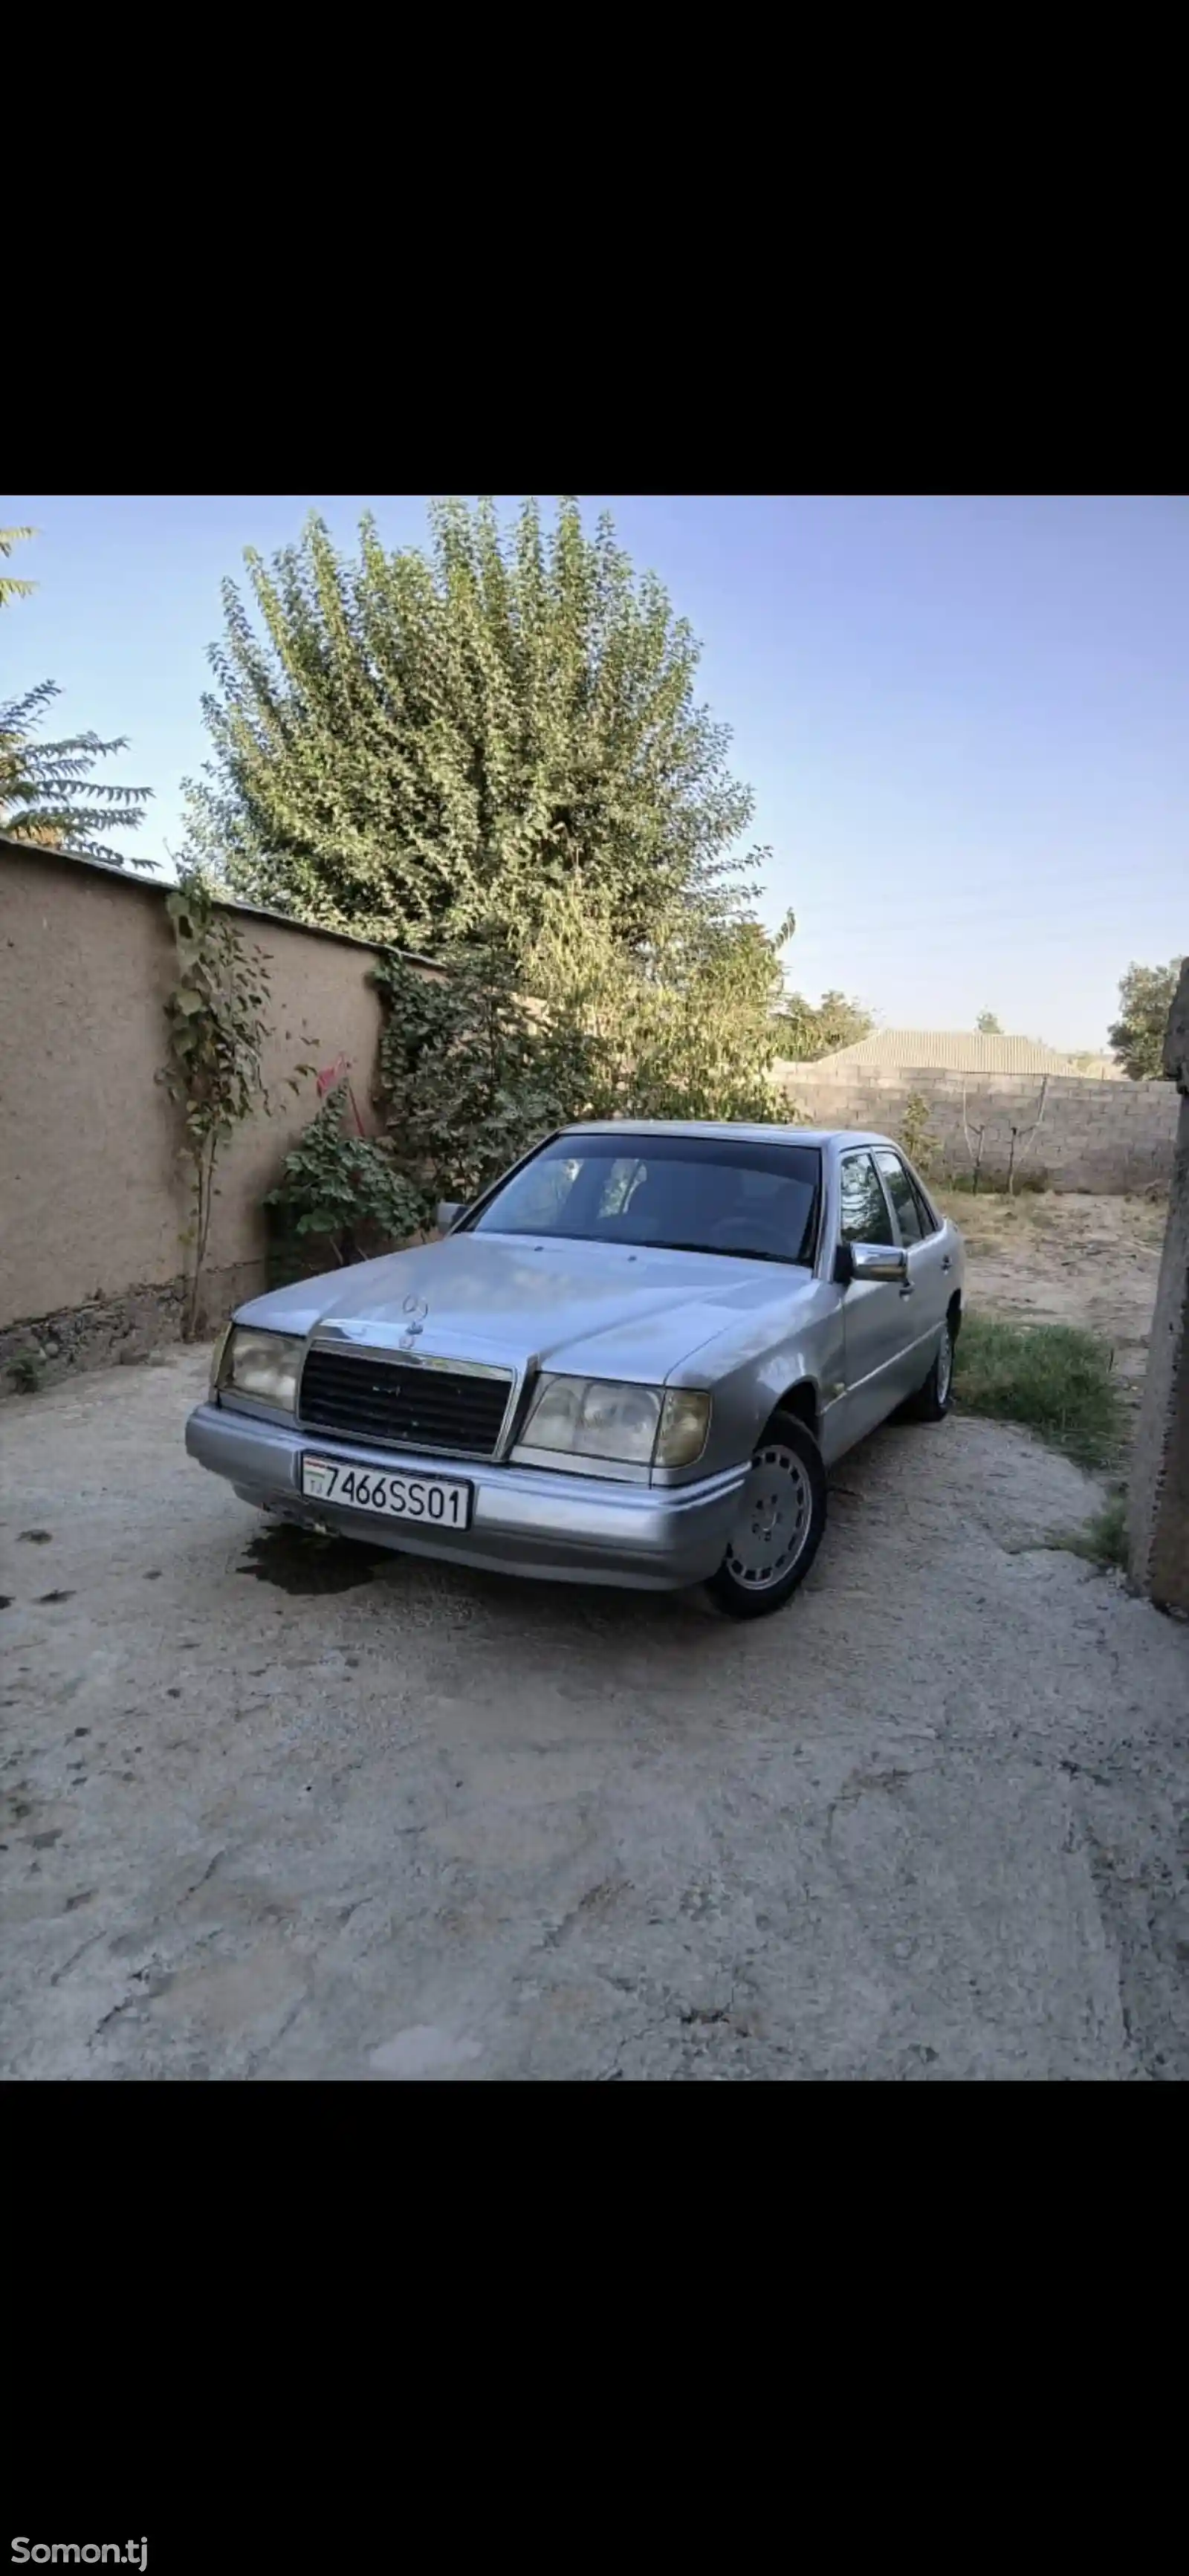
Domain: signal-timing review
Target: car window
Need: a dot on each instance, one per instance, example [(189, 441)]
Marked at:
[(930, 1221), (903, 1196), (866, 1217)]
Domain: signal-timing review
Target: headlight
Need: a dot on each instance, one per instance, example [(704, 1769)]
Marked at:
[(263, 1364), (594, 1417)]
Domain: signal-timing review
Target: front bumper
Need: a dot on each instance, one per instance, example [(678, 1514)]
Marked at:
[(526, 1520)]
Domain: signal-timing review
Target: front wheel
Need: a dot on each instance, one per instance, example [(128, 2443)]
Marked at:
[(780, 1515)]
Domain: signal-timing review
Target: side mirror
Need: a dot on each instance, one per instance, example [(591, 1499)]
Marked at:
[(449, 1211), (871, 1261)]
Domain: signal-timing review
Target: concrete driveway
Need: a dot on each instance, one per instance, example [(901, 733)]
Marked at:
[(277, 1809)]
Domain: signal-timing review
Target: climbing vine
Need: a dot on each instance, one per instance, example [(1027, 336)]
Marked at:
[(214, 1071)]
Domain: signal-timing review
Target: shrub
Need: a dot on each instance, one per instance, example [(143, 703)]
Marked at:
[(916, 1135), (1053, 1378), (340, 1191)]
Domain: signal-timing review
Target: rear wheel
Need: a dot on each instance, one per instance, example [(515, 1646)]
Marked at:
[(780, 1514), (932, 1402)]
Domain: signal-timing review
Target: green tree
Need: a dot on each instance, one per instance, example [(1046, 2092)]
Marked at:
[(988, 1026), (472, 1072), (10, 586), (1146, 995), (806, 1033), (687, 1030), (419, 746), (47, 793)]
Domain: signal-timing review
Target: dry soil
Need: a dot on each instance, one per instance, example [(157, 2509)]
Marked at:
[(279, 1810)]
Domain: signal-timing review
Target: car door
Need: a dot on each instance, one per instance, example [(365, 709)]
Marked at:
[(874, 1329), (929, 1266)]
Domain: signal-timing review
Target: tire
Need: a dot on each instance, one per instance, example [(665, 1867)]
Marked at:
[(786, 1489), (933, 1401)]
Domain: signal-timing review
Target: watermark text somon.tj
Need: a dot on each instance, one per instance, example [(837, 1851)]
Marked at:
[(80, 2553)]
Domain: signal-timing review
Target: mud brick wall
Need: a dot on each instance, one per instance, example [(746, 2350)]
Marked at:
[(93, 1200)]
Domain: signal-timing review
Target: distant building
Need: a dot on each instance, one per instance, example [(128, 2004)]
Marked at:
[(964, 1051)]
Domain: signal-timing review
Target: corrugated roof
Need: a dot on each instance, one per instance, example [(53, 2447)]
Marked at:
[(960, 1051)]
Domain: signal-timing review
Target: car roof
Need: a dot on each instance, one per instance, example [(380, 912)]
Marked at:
[(758, 1135)]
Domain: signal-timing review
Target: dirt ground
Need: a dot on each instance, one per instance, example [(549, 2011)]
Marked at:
[(1044, 1258), (275, 1809)]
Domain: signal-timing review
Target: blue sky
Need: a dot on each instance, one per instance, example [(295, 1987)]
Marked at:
[(964, 719)]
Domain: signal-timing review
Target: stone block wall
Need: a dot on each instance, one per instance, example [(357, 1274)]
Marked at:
[(1093, 1135)]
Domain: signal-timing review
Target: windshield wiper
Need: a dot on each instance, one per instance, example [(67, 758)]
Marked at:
[(722, 1252)]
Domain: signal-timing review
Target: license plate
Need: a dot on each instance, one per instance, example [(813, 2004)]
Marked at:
[(436, 1502)]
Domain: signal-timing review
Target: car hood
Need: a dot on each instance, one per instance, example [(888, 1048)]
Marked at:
[(596, 1309)]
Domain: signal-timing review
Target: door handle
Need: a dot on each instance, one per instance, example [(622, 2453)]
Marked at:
[(906, 1291), (945, 1261)]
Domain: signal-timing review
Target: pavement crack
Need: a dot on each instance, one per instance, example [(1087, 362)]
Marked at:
[(208, 1872), (67, 1964)]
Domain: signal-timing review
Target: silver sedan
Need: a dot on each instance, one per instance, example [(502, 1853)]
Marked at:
[(632, 1361)]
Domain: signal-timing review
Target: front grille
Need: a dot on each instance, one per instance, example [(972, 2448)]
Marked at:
[(398, 1407)]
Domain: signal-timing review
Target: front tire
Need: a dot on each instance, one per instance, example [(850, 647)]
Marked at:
[(780, 1520)]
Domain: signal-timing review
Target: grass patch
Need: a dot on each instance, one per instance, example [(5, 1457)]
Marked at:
[(1103, 1538), (1053, 1378)]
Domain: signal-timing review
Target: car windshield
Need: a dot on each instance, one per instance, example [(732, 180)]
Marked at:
[(675, 1193)]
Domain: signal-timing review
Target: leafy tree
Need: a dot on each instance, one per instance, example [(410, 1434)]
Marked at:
[(988, 1026), (806, 1033), (687, 1031), (47, 793), (10, 586), (1146, 996), (422, 746), (472, 1072)]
